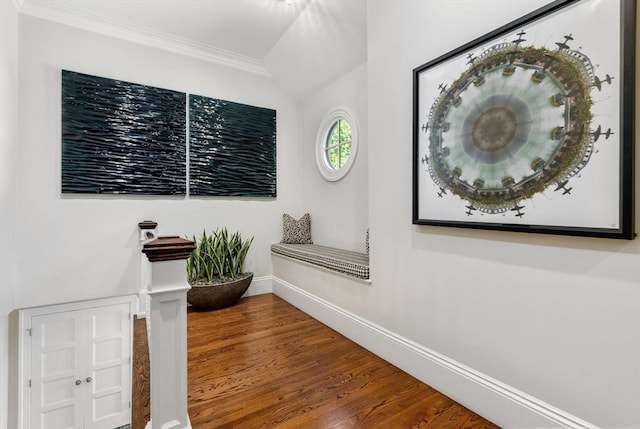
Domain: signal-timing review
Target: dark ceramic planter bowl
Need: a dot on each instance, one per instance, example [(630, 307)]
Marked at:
[(214, 297)]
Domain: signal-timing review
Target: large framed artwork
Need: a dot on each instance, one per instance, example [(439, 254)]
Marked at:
[(126, 138), (120, 137), (232, 149), (531, 127)]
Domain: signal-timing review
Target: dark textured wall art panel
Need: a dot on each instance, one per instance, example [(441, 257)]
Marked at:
[(122, 138), (232, 149)]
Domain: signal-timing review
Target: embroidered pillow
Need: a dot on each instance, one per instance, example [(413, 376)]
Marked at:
[(296, 231), (366, 241)]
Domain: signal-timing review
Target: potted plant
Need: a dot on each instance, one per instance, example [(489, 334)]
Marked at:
[(215, 270)]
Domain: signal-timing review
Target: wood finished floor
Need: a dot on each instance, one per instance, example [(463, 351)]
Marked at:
[(265, 364), (140, 411)]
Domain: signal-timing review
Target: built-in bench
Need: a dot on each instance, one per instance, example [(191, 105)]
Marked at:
[(354, 264)]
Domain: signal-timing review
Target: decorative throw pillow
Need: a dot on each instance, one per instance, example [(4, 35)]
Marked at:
[(366, 241), (296, 231)]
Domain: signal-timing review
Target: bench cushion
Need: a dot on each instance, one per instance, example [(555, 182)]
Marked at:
[(343, 261)]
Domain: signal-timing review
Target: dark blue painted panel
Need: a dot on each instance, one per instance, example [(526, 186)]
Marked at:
[(122, 138), (232, 149)]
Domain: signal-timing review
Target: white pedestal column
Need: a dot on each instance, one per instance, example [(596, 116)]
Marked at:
[(168, 339), (148, 233)]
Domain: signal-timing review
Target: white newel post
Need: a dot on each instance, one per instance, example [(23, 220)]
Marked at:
[(148, 233), (168, 339)]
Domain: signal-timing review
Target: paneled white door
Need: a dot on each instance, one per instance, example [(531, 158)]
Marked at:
[(81, 369), (56, 365), (108, 367)]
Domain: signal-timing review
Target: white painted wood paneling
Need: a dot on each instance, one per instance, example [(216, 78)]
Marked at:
[(75, 364)]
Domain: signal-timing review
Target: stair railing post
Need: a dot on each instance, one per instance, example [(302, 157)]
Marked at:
[(168, 340)]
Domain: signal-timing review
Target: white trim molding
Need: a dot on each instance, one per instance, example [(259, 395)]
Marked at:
[(260, 285), (491, 398), (326, 126), (17, 4), (64, 15)]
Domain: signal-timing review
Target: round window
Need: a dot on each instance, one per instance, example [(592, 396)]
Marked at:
[(337, 144)]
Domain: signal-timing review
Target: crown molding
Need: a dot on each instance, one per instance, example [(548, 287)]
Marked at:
[(96, 24), (17, 4)]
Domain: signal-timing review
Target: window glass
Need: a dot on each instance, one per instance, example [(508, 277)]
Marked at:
[(337, 144), (338, 147)]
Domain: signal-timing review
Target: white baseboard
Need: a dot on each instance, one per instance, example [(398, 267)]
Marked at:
[(494, 400), (260, 285)]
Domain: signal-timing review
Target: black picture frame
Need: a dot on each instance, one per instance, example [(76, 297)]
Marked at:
[(530, 128)]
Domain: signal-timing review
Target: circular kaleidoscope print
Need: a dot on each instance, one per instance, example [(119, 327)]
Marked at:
[(513, 124)]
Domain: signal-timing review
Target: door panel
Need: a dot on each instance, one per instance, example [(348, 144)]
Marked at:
[(56, 350), (60, 418), (109, 366), (80, 369)]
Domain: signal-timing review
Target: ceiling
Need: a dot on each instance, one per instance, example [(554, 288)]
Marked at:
[(303, 45)]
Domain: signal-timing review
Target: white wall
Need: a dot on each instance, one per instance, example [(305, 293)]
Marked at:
[(556, 317), (74, 247), (80, 247), (326, 41), (8, 146), (338, 209)]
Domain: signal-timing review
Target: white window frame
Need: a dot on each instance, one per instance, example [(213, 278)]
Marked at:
[(326, 169)]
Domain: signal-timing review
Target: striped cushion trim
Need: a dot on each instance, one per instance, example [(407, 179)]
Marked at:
[(343, 261)]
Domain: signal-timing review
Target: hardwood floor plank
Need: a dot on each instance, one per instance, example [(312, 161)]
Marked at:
[(276, 367), (140, 411), (264, 364)]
